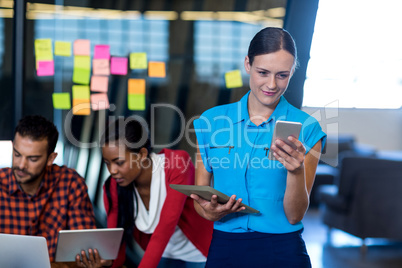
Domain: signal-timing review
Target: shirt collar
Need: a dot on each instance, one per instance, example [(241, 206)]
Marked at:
[(279, 113), (13, 185)]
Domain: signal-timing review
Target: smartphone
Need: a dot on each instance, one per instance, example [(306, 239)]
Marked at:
[(282, 130)]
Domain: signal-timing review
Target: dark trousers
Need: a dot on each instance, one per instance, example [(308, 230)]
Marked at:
[(256, 250)]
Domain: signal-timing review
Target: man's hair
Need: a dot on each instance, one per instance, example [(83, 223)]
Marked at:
[(38, 128)]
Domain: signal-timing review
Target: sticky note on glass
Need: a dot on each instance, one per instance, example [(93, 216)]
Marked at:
[(101, 67), (99, 101), (156, 69), (138, 60), (81, 76), (99, 83), (233, 79), (136, 86), (82, 62), (81, 107), (102, 52), (82, 47), (45, 68), (81, 92), (62, 48), (61, 101), (82, 70), (118, 65), (43, 50), (136, 102)]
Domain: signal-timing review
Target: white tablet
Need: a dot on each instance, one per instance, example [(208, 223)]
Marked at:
[(21, 251), (72, 242), (207, 192)]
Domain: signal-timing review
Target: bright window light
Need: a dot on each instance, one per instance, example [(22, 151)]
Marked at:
[(6, 149), (356, 55)]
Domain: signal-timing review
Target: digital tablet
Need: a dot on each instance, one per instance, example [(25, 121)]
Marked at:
[(21, 251), (282, 130), (207, 192), (72, 242)]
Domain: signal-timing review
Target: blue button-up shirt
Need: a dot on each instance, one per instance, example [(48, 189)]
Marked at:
[(235, 150)]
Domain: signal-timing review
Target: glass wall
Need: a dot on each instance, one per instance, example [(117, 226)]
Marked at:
[(6, 60), (179, 51)]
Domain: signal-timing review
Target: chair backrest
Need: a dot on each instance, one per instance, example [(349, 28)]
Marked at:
[(351, 166), (378, 202)]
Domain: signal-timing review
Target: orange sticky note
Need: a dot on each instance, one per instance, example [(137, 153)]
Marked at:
[(81, 107), (82, 47), (99, 83), (101, 67), (136, 86), (156, 69), (99, 101)]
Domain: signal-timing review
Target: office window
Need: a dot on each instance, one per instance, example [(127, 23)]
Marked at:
[(356, 55), (220, 47)]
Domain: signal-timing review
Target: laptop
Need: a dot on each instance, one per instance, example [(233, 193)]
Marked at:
[(71, 242), (22, 251)]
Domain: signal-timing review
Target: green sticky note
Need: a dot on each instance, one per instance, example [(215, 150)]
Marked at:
[(81, 76), (82, 62), (62, 48), (81, 92), (43, 49), (61, 101), (233, 79), (136, 102), (138, 60)]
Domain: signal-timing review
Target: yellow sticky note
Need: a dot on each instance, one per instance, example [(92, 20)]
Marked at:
[(99, 83), (138, 60), (81, 92), (81, 107), (62, 48), (156, 69), (82, 47), (136, 86), (82, 62), (99, 101), (136, 102), (233, 79), (43, 50), (61, 101), (81, 76), (101, 67)]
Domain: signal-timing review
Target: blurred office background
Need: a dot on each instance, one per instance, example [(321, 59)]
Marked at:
[(349, 78)]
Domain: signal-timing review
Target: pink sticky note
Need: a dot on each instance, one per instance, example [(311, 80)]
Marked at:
[(99, 101), (101, 67), (82, 47), (102, 52), (118, 65), (99, 83), (45, 68)]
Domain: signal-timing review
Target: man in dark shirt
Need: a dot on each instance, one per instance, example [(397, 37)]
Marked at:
[(38, 197)]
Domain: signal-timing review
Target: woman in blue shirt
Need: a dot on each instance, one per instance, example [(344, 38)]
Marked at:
[(233, 141)]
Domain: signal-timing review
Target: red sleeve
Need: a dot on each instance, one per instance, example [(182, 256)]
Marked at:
[(111, 212), (178, 170)]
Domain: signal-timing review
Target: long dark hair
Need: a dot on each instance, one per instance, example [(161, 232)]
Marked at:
[(135, 136), (269, 40)]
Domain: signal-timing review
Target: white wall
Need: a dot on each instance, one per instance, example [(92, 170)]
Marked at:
[(379, 128)]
